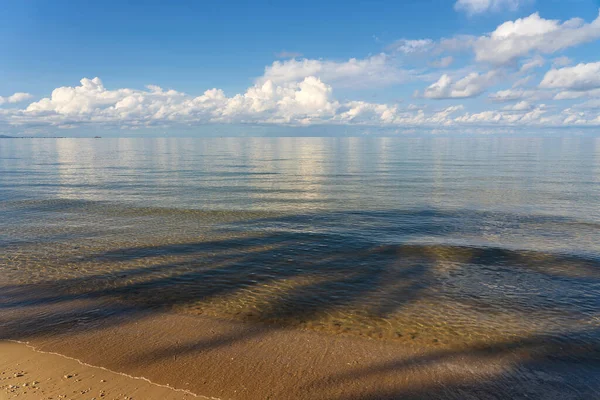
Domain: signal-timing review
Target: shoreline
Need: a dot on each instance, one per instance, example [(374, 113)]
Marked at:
[(233, 360), (25, 374)]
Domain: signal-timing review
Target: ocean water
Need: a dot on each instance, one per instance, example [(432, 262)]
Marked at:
[(428, 241)]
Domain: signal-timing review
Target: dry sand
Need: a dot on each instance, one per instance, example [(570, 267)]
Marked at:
[(26, 373)]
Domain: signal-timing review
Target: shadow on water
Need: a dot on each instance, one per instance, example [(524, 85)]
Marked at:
[(334, 282), (542, 361)]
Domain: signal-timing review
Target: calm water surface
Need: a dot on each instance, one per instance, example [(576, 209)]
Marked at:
[(430, 241)]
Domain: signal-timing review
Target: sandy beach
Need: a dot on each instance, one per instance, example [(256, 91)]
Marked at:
[(27, 373)]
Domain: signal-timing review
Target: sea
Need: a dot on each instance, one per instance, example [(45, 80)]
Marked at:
[(425, 241)]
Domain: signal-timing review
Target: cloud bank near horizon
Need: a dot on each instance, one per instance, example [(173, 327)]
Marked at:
[(517, 69)]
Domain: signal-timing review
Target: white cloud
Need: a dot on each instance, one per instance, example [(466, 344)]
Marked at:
[(592, 104), (291, 103), (408, 46), (569, 95), (91, 96), (535, 62), (470, 86), (520, 106), (15, 98), (529, 37), (376, 70), (485, 116), (472, 7), (512, 95), (308, 101), (538, 116), (442, 117), (533, 34), (572, 95), (299, 91), (360, 111), (532, 116), (580, 77), (578, 117)]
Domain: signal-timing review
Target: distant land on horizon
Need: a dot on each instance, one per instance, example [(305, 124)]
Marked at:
[(30, 137)]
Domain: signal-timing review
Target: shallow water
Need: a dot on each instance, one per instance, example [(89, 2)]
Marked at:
[(428, 241)]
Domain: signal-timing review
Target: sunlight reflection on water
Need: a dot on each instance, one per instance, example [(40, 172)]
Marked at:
[(426, 240)]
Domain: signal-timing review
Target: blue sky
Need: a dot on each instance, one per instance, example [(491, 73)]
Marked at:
[(479, 65)]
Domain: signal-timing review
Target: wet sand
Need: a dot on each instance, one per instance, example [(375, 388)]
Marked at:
[(26, 373), (231, 360)]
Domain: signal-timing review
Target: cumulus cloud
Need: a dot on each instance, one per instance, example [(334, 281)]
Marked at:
[(361, 111), (472, 7), (577, 117), (309, 101), (533, 34), (470, 86), (300, 91), (529, 37), (377, 70), (580, 77), (91, 96), (15, 98), (304, 102), (292, 102), (301, 103)]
